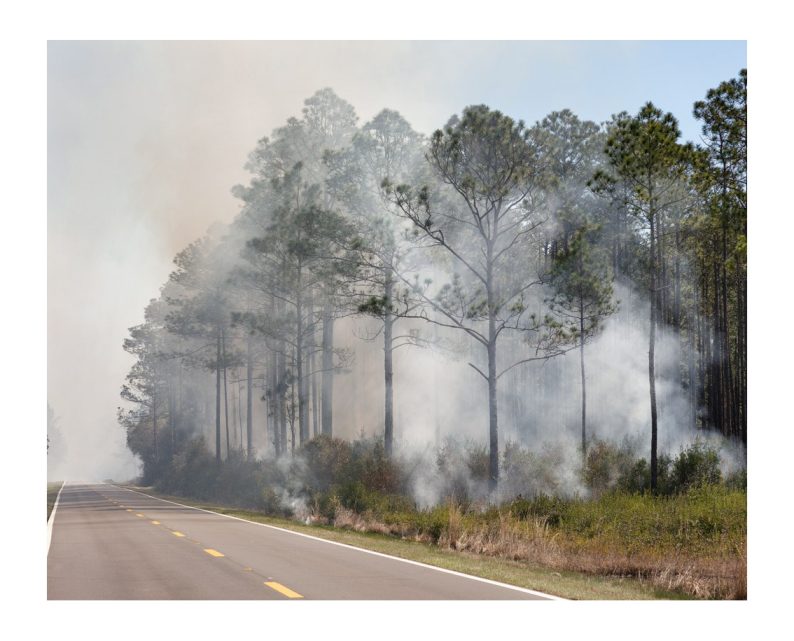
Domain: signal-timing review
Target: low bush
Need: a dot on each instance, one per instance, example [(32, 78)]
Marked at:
[(611, 467), (607, 466), (696, 465), (529, 473)]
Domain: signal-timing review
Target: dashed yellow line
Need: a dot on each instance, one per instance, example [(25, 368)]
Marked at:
[(141, 515), (175, 533), (212, 552), (155, 522), (283, 590), (129, 510)]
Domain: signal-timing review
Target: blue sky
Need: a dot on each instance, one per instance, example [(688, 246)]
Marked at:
[(597, 79)]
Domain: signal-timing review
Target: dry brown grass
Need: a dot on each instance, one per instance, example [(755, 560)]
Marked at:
[(700, 577), (534, 541), (507, 538), (350, 520)]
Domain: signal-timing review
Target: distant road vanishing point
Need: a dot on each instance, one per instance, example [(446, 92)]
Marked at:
[(109, 542)]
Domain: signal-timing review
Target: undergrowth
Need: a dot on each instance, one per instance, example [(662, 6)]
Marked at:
[(690, 535)]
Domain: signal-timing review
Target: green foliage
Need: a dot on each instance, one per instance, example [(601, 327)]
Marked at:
[(694, 519), (356, 476), (192, 472), (328, 462), (550, 509), (529, 473), (463, 469), (607, 466), (610, 467), (697, 465), (737, 480), (582, 282)]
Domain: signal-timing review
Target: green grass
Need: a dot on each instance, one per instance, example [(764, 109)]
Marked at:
[(52, 494), (707, 521), (567, 584)]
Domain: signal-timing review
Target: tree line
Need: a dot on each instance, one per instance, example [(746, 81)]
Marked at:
[(508, 238)]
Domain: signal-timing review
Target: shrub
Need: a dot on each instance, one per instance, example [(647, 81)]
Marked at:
[(269, 502), (737, 480), (531, 474), (549, 509), (636, 478), (374, 470), (327, 461), (463, 471), (608, 466), (193, 472), (696, 465), (477, 461)]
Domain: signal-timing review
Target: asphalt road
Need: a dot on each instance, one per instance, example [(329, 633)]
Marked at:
[(108, 542)]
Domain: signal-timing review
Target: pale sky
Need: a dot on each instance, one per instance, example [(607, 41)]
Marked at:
[(146, 139)]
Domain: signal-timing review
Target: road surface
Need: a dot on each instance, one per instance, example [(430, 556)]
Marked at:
[(109, 542)]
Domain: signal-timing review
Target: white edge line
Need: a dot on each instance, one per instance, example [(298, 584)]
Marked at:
[(551, 597), (51, 520)]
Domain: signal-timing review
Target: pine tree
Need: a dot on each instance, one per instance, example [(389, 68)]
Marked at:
[(646, 167)]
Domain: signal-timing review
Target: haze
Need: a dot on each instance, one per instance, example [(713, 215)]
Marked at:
[(145, 141)]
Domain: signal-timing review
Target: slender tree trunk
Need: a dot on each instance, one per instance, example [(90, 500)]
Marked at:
[(693, 383), (651, 362), (239, 409), (661, 272), (303, 424), (677, 312), (225, 393), (702, 351), (584, 391), (677, 284), (172, 414), (727, 375), (313, 389), (154, 424), (282, 397), (293, 412), (274, 403), (249, 400), (388, 322), (493, 428), (741, 349), (218, 398), (717, 394), (328, 372), (179, 407)]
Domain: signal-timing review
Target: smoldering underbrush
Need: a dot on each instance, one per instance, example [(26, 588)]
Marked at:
[(595, 517), (328, 473)]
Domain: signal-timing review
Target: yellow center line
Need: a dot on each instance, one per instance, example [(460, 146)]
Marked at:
[(155, 522), (283, 590), (129, 510), (141, 515), (212, 552), (177, 533)]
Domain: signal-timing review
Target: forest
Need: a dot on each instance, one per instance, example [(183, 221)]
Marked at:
[(495, 315)]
